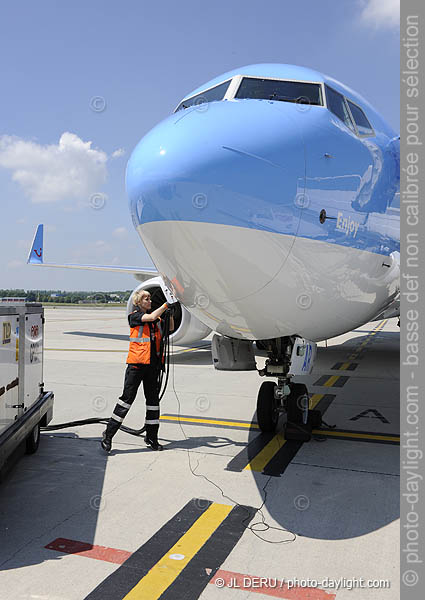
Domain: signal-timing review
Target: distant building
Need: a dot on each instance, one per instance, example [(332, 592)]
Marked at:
[(11, 299)]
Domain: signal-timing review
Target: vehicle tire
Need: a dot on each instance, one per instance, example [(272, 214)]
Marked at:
[(33, 440), (267, 413)]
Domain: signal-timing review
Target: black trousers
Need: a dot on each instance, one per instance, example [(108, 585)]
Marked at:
[(134, 375)]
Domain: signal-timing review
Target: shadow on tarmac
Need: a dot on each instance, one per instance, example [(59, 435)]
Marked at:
[(53, 493), (190, 443), (340, 489), (321, 494)]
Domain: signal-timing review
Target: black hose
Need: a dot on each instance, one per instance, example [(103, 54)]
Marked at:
[(162, 386), (71, 423)]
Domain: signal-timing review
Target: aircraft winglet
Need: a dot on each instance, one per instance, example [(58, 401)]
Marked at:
[(36, 253), (35, 257)]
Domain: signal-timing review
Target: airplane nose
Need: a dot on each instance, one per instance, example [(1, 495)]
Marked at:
[(216, 194)]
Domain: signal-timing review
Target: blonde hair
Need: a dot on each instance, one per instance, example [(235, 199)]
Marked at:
[(138, 296)]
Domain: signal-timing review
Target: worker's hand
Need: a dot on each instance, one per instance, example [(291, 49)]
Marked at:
[(171, 310), (150, 317)]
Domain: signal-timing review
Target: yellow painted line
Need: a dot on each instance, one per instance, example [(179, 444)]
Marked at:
[(364, 436), (314, 400), (124, 350), (331, 380), (209, 315), (209, 421), (368, 339), (240, 329), (266, 454), (232, 326), (344, 366), (192, 349), (82, 350), (167, 569)]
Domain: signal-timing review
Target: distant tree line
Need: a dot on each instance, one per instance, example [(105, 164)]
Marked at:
[(66, 297)]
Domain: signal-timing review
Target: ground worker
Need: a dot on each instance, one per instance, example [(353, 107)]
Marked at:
[(143, 364)]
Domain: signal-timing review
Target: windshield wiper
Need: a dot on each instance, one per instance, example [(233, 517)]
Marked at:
[(282, 98)]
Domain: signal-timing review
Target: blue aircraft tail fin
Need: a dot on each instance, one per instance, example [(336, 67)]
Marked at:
[(36, 254)]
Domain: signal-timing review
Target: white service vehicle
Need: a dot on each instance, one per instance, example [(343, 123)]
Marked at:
[(24, 405)]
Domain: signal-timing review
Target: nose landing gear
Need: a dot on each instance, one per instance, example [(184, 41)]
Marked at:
[(286, 399)]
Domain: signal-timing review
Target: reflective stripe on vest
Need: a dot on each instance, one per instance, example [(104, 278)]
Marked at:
[(140, 344)]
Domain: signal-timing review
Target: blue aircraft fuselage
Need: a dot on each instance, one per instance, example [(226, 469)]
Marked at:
[(270, 202)]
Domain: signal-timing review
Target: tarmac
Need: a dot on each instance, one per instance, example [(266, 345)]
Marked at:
[(223, 512)]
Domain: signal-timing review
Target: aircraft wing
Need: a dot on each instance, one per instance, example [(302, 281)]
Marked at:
[(35, 257)]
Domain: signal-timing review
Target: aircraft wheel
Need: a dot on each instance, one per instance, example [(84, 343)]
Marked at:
[(33, 440), (267, 413)]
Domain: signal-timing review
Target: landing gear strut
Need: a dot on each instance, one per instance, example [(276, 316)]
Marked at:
[(285, 398)]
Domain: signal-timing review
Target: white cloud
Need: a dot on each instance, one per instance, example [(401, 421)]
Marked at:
[(69, 170), (381, 13), (118, 153), (120, 232)]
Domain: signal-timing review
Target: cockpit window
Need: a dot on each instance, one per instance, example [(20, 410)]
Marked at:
[(336, 104), (362, 123), (212, 95), (284, 91)]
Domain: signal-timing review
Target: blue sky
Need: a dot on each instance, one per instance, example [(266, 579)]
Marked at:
[(141, 58)]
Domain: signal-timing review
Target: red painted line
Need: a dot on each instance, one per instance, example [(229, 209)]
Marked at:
[(84, 549), (268, 586), (261, 585)]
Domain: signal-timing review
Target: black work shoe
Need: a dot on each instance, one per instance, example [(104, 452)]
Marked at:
[(106, 442), (154, 444)]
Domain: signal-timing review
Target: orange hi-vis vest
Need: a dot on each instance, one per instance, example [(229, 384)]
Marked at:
[(140, 344)]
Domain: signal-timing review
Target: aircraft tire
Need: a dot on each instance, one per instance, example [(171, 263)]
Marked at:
[(267, 413)]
